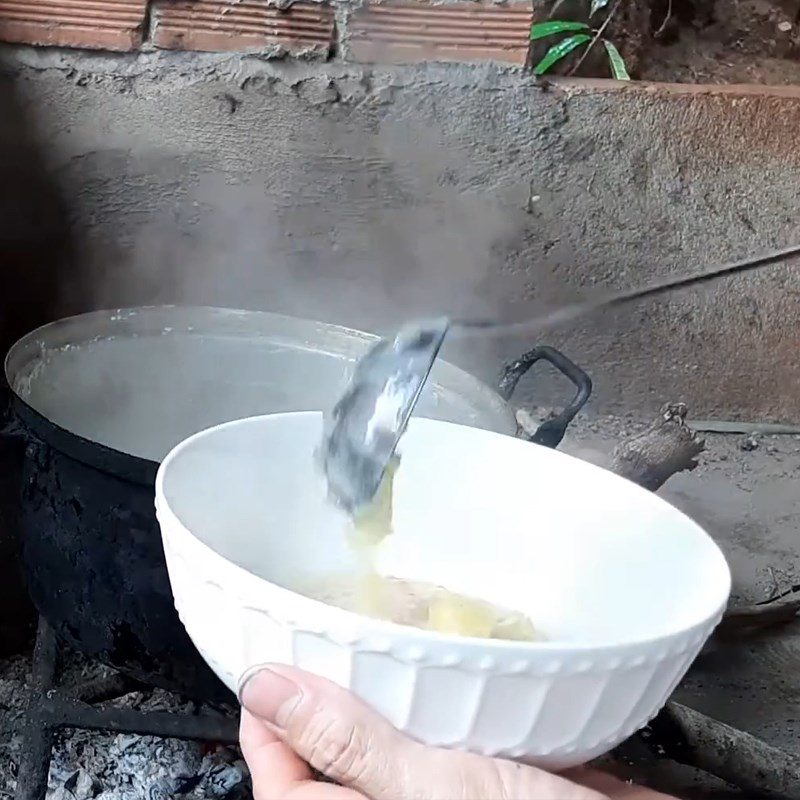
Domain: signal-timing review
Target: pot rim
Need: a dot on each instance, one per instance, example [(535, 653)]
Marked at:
[(179, 318)]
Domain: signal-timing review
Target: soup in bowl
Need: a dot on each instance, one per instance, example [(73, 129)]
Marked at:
[(620, 589)]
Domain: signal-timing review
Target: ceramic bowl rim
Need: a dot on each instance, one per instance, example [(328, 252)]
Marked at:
[(397, 632)]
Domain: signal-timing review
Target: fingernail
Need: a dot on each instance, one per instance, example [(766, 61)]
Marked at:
[(269, 696)]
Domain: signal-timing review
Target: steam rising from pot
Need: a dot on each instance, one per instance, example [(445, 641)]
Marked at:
[(404, 235)]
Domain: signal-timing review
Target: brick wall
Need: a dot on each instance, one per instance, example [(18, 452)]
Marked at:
[(386, 31)]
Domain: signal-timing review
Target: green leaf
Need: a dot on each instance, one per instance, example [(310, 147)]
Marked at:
[(558, 51), (618, 68), (596, 6), (541, 30)]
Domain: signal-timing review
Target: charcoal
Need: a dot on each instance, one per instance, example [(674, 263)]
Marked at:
[(88, 765)]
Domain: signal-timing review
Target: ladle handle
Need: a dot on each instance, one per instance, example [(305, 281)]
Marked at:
[(551, 431)]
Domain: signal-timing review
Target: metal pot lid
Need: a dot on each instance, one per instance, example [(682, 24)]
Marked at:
[(141, 380)]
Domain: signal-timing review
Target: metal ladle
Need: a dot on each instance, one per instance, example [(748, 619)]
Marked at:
[(365, 426)]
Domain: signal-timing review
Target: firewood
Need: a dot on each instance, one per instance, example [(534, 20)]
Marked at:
[(667, 447)]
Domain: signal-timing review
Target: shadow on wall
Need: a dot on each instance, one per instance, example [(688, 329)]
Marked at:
[(35, 243), (35, 256)]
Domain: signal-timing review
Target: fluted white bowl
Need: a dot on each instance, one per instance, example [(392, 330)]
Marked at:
[(625, 588)]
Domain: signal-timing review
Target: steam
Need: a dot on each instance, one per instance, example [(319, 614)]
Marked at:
[(376, 233)]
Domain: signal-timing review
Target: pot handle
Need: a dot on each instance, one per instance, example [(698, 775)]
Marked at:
[(21, 441), (10, 428), (14, 440), (551, 431)]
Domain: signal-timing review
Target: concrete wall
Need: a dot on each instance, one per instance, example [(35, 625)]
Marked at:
[(367, 196)]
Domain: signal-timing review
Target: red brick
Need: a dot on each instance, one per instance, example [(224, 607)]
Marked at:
[(93, 24), (242, 26), (410, 31)]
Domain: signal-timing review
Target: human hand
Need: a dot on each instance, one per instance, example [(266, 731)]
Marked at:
[(294, 723)]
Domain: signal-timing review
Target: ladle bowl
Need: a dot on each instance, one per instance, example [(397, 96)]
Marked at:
[(624, 588)]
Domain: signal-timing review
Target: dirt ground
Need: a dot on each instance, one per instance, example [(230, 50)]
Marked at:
[(690, 41), (728, 41)]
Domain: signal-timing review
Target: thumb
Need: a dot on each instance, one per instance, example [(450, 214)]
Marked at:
[(342, 737), (330, 729)]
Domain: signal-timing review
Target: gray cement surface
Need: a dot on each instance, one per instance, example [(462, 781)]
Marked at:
[(365, 197), (748, 501), (368, 196)]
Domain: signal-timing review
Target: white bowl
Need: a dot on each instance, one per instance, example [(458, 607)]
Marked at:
[(625, 587)]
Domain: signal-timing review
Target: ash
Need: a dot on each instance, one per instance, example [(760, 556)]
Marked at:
[(89, 765)]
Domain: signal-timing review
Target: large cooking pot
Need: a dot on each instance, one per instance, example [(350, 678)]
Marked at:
[(101, 398)]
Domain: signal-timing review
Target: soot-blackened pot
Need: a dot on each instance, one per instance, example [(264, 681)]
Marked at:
[(99, 399)]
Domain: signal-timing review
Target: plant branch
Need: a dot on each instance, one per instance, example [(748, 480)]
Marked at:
[(667, 17), (742, 621), (597, 36), (554, 8), (794, 589)]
